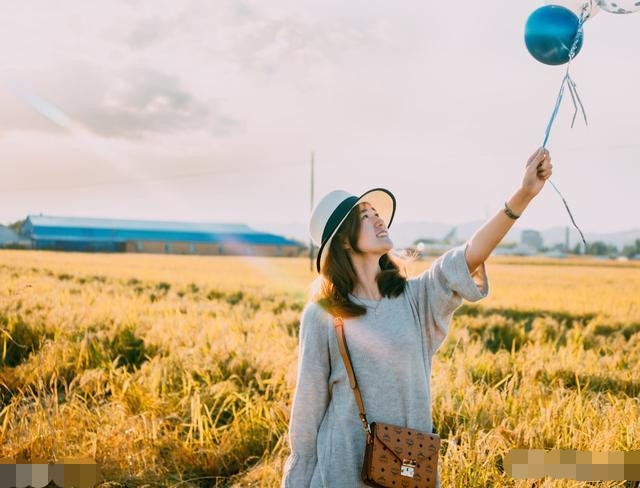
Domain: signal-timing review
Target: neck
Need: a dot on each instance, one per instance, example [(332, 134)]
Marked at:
[(367, 268)]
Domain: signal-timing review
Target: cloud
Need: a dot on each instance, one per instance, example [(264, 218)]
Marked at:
[(139, 71), (294, 40), (125, 103), (146, 33), (273, 45)]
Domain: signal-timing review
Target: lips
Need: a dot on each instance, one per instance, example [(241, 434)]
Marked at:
[(382, 234)]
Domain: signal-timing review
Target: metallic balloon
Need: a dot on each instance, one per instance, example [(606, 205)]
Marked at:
[(620, 6), (576, 6), (550, 33)]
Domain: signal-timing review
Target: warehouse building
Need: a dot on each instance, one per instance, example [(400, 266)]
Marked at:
[(139, 236), (532, 238)]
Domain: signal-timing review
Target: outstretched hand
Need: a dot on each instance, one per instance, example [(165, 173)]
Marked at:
[(537, 171)]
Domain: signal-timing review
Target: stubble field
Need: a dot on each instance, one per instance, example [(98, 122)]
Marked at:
[(180, 370)]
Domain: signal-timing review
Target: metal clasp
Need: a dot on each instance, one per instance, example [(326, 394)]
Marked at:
[(365, 424), (408, 467)]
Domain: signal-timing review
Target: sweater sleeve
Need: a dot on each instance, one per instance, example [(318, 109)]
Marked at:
[(442, 288), (310, 399)]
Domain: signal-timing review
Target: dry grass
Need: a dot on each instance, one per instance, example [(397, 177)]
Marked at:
[(179, 370)]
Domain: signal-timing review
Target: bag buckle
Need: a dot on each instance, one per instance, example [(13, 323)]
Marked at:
[(408, 467), (365, 424)]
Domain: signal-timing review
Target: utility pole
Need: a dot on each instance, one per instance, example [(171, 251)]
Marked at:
[(311, 210)]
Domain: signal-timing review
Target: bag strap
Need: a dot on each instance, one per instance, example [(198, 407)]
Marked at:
[(338, 322)]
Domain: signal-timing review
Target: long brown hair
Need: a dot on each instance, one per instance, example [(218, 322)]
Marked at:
[(338, 277)]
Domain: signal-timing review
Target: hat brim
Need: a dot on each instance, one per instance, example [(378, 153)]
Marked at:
[(381, 199)]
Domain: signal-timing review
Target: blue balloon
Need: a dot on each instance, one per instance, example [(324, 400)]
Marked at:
[(550, 33)]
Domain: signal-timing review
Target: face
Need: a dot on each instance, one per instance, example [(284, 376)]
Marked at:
[(374, 237)]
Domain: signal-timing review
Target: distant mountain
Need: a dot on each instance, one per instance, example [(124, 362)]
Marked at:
[(403, 234), (619, 239)]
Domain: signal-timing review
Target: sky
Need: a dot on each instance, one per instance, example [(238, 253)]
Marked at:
[(208, 111)]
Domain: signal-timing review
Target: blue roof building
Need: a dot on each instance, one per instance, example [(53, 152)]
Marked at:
[(110, 235)]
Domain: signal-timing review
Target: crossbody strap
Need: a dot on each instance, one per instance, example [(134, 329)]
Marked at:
[(338, 322), (344, 352)]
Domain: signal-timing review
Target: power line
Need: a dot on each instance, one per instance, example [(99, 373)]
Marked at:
[(311, 210)]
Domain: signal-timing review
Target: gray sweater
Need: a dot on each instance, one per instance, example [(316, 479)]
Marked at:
[(391, 354)]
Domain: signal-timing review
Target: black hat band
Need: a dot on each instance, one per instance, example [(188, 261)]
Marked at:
[(336, 217)]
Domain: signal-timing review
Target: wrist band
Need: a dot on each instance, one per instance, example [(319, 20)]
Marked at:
[(509, 212)]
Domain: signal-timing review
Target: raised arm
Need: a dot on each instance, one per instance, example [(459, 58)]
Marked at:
[(487, 238)]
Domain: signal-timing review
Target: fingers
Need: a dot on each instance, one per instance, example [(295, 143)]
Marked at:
[(544, 169), (533, 156), (541, 160), (538, 156), (544, 165)]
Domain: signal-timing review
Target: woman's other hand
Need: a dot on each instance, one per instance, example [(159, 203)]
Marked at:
[(537, 171)]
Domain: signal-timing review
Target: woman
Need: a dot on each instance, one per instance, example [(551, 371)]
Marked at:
[(393, 327)]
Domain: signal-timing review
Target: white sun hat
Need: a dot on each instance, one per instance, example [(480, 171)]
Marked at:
[(333, 208)]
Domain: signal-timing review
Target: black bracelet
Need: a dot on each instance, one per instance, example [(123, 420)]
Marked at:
[(509, 212)]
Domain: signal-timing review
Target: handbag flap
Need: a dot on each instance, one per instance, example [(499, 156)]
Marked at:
[(399, 441)]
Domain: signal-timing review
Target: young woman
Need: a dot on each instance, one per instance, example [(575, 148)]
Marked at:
[(393, 326)]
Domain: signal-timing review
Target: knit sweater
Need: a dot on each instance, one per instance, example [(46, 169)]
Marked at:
[(391, 354)]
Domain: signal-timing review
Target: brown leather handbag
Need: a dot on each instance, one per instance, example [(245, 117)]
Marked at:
[(395, 456)]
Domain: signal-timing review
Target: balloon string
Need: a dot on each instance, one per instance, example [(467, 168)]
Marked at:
[(573, 91), (571, 216)]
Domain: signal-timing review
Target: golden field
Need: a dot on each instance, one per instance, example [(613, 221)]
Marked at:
[(180, 370)]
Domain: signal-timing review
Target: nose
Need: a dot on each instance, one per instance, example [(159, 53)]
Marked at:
[(380, 223)]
